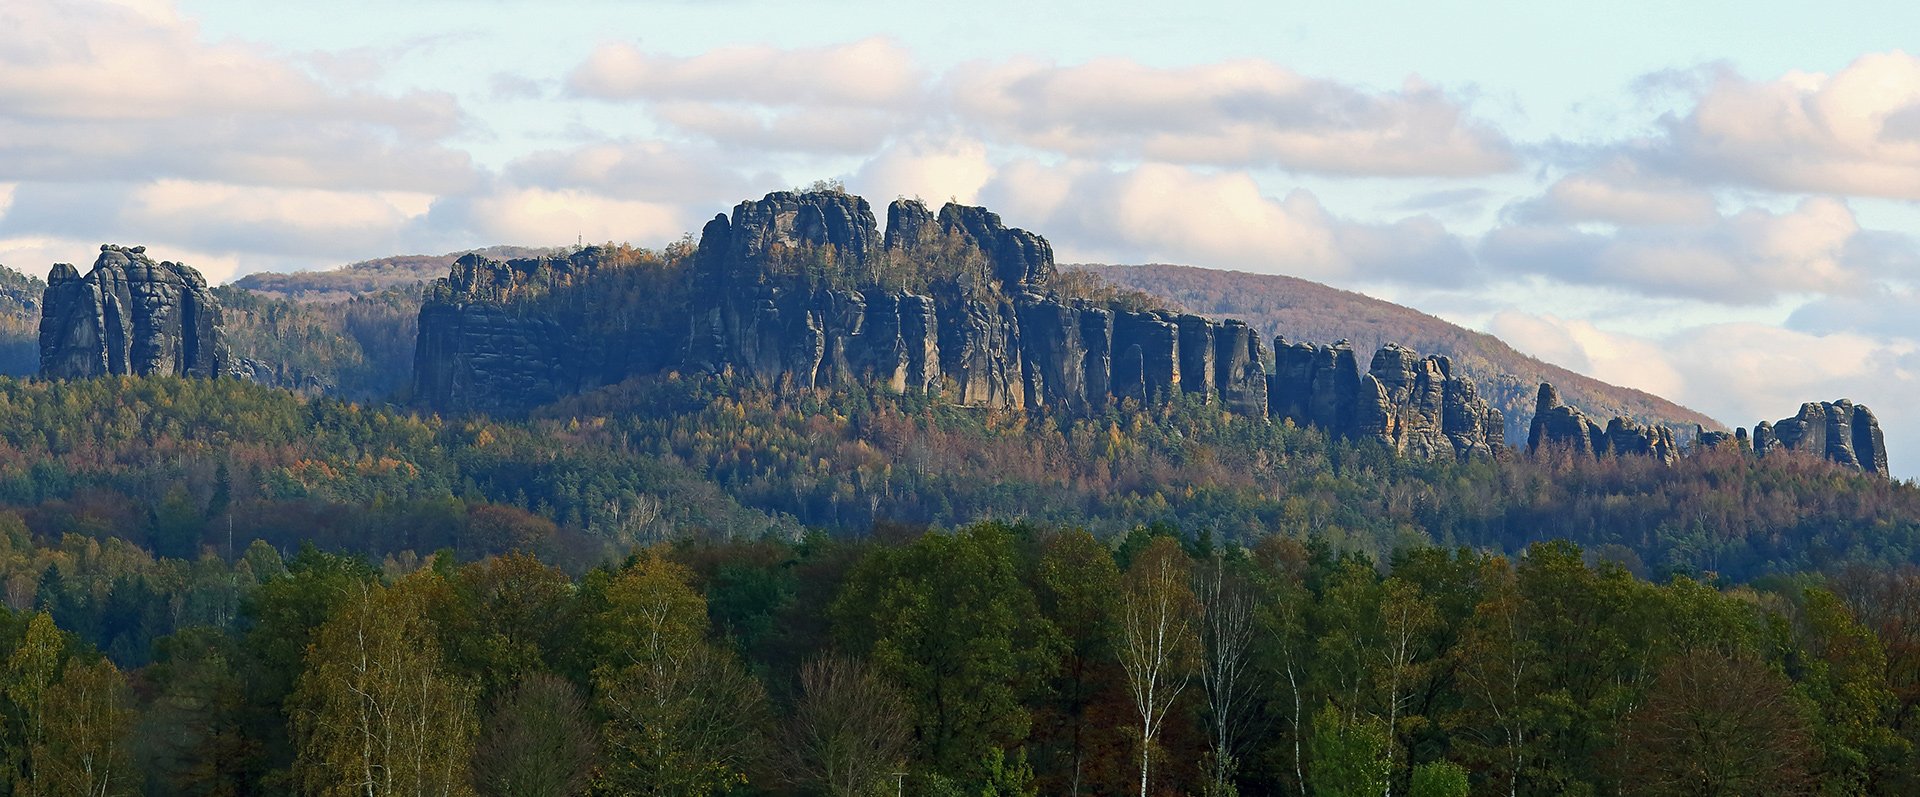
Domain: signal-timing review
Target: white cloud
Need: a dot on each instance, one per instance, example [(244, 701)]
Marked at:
[(1578, 345), (1750, 257), (1240, 113), (871, 72), (95, 90), (656, 171), (1619, 192), (1854, 133), (1162, 213), (935, 168), (547, 217)]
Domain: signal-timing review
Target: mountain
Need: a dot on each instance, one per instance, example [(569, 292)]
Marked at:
[(1304, 310)]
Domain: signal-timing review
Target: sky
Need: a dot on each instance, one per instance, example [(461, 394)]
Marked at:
[(1717, 202)]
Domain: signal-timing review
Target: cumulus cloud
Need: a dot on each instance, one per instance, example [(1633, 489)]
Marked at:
[(98, 90), (1165, 213), (935, 168), (1239, 113), (1856, 132), (1750, 257), (871, 72), (1620, 192)]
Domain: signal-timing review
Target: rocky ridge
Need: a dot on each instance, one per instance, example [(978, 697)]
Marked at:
[(970, 314), (1839, 431), (130, 315)]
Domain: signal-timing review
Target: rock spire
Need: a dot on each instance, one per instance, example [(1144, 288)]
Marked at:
[(130, 315)]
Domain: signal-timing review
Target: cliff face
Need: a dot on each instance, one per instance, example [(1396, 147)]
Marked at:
[(130, 315), (1411, 404), (1841, 431), (783, 291), (1558, 426)]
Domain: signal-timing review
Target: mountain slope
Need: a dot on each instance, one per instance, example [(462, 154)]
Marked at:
[(367, 276), (1308, 311), (20, 322)]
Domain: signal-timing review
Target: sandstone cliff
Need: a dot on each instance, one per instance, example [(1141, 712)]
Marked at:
[(1841, 431), (802, 290), (130, 315)]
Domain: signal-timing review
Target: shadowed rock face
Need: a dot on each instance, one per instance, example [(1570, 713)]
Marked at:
[(130, 315), (1557, 426), (1840, 431), (991, 335)]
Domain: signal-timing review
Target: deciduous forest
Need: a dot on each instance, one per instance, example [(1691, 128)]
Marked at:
[(691, 585)]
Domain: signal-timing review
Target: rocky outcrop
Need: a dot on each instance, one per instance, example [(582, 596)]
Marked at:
[(1411, 404), (1839, 431), (1559, 427), (130, 315), (799, 290)]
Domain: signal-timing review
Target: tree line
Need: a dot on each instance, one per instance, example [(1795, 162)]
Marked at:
[(992, 659)]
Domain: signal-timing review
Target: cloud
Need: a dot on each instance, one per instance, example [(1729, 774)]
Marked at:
[(654, 171), (1245, 113), (100, 91), (875, 72), (1163, 213), (1620, 192), (1854, 133), (1577, 344), (1750, 257), (551, 217), (1239, 113), (936, 168)]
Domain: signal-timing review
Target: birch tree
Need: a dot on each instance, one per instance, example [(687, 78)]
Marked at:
[(85, 721), (1159, 637), (683, 717), (376, 714), (1227, 631), (1406, 619)]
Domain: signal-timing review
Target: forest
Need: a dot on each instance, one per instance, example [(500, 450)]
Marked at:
[(992, 659), (695, 585)]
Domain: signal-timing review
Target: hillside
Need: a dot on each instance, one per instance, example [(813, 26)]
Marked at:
[(1309, 311), (368, 276)]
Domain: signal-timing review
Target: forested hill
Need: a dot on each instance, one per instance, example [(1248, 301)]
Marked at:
[(19, 322), (1309, 311)]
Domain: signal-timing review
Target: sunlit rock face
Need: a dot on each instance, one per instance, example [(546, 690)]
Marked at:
[(132, 316)]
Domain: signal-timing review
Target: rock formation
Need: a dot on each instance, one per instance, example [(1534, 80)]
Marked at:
[(1408, 403), (1840, 431), (1557, 426), (130, 315), (789, 290)]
